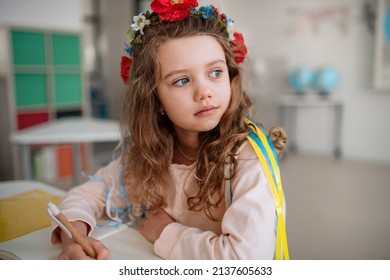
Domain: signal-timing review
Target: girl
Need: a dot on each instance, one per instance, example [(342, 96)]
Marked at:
[(189, 172)]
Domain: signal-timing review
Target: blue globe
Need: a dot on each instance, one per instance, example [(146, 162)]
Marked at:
[(326, 80), (300, 79)]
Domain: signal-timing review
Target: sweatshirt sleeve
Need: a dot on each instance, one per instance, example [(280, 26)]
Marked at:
[(87, 201), (248, 225)]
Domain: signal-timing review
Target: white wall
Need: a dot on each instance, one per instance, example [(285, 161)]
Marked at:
[(116, 20), (42, 13), (265, 23)]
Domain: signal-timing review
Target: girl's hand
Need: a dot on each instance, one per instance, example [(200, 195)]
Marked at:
[(73, 251), (154, 224)]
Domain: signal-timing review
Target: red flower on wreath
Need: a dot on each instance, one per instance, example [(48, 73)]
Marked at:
[(173, 10), (125, 68), (239, 48)]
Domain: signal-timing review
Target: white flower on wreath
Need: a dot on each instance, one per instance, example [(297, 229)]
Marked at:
[(139, 22), (229, 28)]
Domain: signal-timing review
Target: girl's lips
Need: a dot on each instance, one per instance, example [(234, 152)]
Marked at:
[(206, 111)]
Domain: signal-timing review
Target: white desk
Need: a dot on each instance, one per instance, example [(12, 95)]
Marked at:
[(123, 242), (72, 130), (289, 105)]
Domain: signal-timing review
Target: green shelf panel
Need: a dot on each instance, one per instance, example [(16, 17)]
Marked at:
[(66, 49), (28, 48), (30, 90), (68, 90)]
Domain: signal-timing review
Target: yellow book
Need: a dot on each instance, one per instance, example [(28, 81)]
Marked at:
[(25, 213)]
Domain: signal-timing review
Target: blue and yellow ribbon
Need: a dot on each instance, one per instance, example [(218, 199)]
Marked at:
[(266, 154)]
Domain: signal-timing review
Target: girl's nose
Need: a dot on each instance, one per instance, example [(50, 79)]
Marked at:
[(202, 92)]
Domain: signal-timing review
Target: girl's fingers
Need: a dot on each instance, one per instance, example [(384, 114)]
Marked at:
[(73, 251)]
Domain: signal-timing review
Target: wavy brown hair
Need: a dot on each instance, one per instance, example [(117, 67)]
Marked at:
[(149, 136)]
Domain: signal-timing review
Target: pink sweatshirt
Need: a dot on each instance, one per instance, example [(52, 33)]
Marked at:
[(245, 230)]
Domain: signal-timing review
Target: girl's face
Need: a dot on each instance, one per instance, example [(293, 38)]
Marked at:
[(194, 89)]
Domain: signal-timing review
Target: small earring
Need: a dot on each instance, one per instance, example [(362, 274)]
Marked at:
[(162, 113)]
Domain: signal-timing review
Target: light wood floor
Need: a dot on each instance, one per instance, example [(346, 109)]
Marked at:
[(336, 209)]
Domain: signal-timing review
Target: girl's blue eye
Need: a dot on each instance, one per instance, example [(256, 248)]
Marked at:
[(216, 73), (181, 82)]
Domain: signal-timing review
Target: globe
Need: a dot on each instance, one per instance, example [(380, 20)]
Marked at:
[(300, 79), (326, 80)]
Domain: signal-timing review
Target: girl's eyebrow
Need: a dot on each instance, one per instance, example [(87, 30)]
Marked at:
[(174, 72)]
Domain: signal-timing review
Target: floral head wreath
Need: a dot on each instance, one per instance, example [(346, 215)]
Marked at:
[(175, 10)]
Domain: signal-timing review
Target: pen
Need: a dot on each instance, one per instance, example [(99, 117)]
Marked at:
[(69, 229)]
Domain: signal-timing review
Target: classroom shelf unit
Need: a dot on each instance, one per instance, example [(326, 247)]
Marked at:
[(45, 80)]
